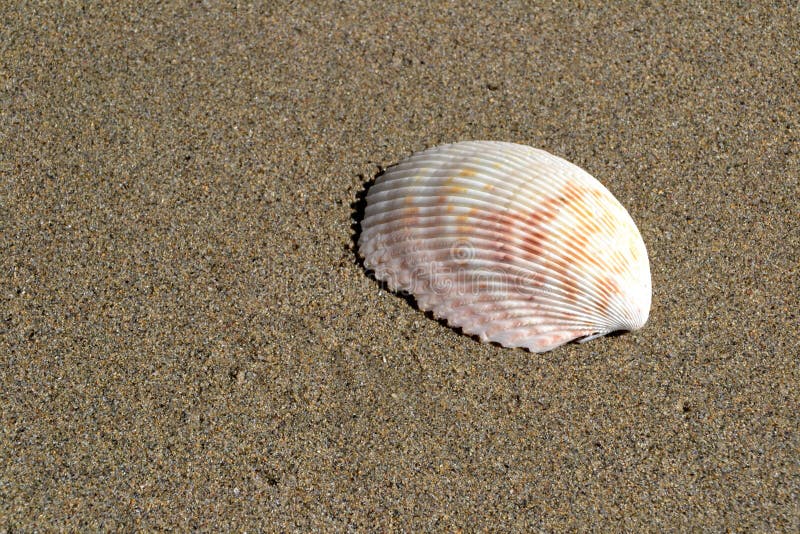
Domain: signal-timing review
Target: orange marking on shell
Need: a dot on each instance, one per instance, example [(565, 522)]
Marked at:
[(607, 288), (532, 225)]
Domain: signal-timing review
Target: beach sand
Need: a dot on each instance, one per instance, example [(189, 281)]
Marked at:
[(188, 340)]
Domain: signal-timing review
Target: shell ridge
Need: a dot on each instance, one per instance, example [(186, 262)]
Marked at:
[(535, 298), (539, 265)]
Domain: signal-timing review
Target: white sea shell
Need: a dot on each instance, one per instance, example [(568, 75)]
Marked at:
[(509, 243)]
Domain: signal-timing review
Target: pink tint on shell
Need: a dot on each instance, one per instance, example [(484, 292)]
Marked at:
[(509, 243)]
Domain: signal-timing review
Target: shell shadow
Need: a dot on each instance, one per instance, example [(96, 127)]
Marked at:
[(357, 210)]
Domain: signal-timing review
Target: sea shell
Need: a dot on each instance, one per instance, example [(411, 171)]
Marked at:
[(508, 243)]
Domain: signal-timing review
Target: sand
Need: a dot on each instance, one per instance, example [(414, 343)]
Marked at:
[(188, 341)]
